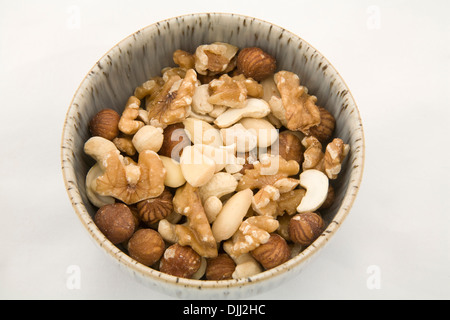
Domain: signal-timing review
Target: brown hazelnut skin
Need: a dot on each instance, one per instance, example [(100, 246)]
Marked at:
[(116, 221), (175, 139), (220, 267), (305, 227), (272, 253), (290, 146), (105, 124), (329, 199), (146, 246), (325, 129), (180, 261)]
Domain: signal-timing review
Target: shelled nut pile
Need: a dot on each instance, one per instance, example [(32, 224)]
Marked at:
[(216, 169)]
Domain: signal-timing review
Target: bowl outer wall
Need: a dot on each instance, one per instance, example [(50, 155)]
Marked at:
[(142, 55)]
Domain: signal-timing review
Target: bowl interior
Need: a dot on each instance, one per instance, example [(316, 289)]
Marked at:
[(143, 54)]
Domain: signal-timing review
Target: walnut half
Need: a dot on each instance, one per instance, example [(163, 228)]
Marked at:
[(172, 104), (301, 112)]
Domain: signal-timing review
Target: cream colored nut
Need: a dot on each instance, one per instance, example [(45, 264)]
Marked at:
[(234, 167), (148, 138), (96, 199), (98, 148), (201, 271), (200, 102), (231, 215), (316, 184), (277, 109), (270, 89), (221, 184), (245, 140), (174, 175), (143, 116), (255, 108), (201, 132), (197, 169), (246, 266), (203, 117), (217, 111), (221, 155), (167, 231), (265, 132), (212, 207)]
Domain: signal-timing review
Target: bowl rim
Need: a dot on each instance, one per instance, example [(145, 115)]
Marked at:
[(147, 272)]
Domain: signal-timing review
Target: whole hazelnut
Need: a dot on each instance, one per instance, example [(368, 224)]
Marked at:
[(305, 227), (116, 221), (290, 146), (146, 246), (175, 139), (255, 63), (272, 253), (153, 210), (220, 267), (105, 124), (329, 199), (324, 130), (180, 261)]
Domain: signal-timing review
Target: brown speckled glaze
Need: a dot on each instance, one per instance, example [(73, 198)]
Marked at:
[(142, 55)]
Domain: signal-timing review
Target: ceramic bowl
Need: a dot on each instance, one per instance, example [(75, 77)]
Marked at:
[(142, 55)]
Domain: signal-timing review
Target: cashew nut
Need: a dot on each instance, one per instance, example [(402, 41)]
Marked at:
[(221, 155), (98, 147), (255, 108), (244, 139), (316, 184), (201, 132), (96, 199), (222, 183), (263, 129)]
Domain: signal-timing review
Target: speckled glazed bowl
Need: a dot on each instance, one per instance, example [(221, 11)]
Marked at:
[(142, 55)]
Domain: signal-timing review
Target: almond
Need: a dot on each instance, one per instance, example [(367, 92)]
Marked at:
[(255, 63)]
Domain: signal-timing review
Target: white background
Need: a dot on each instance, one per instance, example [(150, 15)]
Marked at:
[(394, 56)]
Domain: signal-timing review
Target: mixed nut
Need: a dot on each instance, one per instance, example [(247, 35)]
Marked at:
[(216, 169)]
